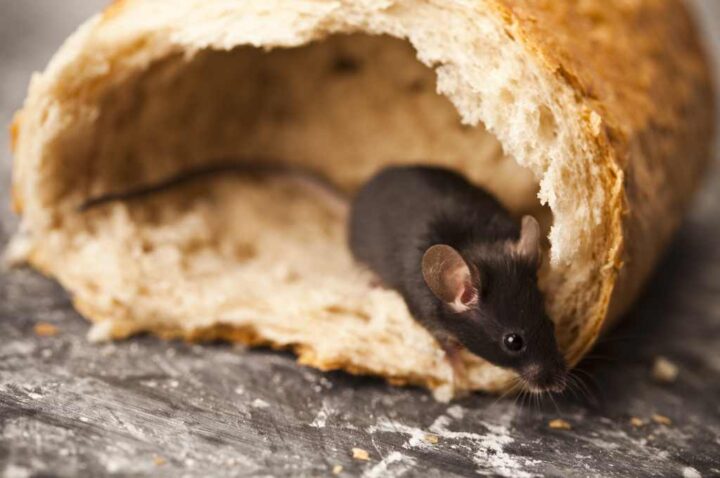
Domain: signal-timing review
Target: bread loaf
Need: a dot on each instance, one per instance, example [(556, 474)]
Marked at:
[(594, 115)]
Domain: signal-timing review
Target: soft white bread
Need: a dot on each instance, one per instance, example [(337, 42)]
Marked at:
[(603, 109)]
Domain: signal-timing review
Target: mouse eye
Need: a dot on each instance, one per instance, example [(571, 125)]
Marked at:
[(513, 342)]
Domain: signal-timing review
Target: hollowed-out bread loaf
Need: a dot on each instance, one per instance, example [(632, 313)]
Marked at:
[(593, 115)]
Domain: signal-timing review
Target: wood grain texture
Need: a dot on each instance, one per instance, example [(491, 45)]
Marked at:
[(146, 407)]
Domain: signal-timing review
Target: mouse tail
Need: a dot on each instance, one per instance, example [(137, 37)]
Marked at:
[(308, 180), (320, 187)]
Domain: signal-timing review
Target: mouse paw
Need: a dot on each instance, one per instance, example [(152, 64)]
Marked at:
[(461, 379)]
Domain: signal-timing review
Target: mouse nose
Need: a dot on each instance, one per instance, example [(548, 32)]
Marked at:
[(550, 378)]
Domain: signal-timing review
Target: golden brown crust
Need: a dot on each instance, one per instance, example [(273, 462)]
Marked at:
[(14, 132), (114, 9), (637, 66), (607, 50)]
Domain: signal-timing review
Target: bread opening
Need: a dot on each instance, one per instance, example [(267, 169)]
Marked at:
[(344, 107)]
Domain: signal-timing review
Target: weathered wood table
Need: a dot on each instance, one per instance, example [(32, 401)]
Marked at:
[(69, 408)]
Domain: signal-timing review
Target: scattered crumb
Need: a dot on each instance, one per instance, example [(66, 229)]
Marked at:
[(690, 472), (637, 422), (444, 393), (456, 411), (159, 461), (664, 371), (661, 420), (360, 454), (17, 252), (260, 403), (43, 329), (559, 424), (101, 332), (337, 469), (432, 439)]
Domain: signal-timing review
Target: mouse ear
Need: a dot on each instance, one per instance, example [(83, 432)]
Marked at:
[(449, 277), (529, 243)]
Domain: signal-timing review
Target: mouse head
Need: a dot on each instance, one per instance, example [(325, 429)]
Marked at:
[(492, 304)]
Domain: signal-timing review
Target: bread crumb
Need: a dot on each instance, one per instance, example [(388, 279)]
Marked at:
[(637, 422), (360, 454), (100, 332), (690, 472), (559, 424), (260, 403), (432, 439), (661, 420), (337, 469), (664, 371), (18, 250), (444, 393), (43, 329), (159, 461)]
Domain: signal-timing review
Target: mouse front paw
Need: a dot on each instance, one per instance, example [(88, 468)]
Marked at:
[(461, 379)]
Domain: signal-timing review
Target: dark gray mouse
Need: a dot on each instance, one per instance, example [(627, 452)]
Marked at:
[(466, 269)]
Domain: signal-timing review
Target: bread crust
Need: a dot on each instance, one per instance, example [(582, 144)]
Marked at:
[(637, 77), (606, 51)]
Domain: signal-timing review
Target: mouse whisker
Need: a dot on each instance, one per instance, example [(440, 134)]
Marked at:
[(572, 387), (592, 380), (588, 375), (527, 399), (583, 388), (532, 395), (593, 385), (544, 395), (522, 395), (516, 390), (552, 399), (516, 384)]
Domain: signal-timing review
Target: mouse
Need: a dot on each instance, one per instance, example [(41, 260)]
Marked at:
[(467, 270)]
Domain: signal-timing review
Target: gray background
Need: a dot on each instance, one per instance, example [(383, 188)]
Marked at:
[(147, 407)]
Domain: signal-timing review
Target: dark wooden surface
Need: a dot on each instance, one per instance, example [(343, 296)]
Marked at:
[(146, 407)]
